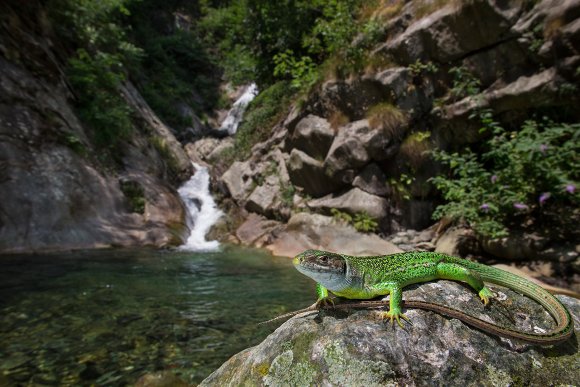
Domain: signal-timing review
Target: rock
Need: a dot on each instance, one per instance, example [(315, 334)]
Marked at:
[(417, 213), (398, 85), (160, 379), (457, 241), (172, 148), (313, 135), (440, 36), (372, 180), (357, 349), (202, 148), (256, 230), (353, 202), (238, 180), (225, 145), (352, 98), (348, 149), (313, 231), (308, 173), (520, 246), (265, 199)]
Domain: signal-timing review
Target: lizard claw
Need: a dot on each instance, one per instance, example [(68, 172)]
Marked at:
[(485, 294), (395, 316), (324, 302)]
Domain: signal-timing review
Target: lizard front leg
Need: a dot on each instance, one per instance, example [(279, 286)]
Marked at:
[(323, 297), (395, 303)]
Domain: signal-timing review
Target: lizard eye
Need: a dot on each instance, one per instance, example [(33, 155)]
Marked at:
[(324, 258)]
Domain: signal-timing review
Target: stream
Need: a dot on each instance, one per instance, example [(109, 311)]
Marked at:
[(108, 317)]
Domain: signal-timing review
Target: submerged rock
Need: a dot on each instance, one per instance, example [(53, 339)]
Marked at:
[(355, 349)]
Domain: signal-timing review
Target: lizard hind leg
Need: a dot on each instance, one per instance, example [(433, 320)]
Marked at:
[(456, 272)]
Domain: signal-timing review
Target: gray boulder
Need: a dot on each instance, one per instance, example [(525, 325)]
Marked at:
[(441, 36), (256, 230), (314, 231), (339, 348), (308, 173), (353, 202), (313, 135), (372, 180), (238, 180), (354, 146), (265, 199)]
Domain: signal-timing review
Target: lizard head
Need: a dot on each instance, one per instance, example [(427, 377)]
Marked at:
[(322, 266)]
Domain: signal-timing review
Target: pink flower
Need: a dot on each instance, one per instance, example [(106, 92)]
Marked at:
[(570, 188), (484, 207), (520, 206), (543, 197), (493, 179), (543, 148)]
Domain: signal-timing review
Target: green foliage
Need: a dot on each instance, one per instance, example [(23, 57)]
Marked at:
[(361, 221), (303, 72), (224, 31), (520, 173), (419, 68), (464, 83), (262, 114), (135, 196), (341, 216), (288, 192), (98, 67), (100, 103), (177, 68), (400, 186)]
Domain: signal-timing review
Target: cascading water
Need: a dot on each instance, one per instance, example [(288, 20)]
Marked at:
[(202, 212), (236, 113)]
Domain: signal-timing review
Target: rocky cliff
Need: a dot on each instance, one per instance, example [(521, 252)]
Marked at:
[(360, 143), (57, 190)]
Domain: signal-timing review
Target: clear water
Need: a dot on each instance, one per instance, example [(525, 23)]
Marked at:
[(106, 318)]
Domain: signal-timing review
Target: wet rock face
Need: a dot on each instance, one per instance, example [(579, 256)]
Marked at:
[(55, 194), (355, 348)]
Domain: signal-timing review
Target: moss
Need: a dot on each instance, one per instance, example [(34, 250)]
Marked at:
[(284, 371), (389, 117), (345, 370), (262, 368), (416, 149), (497, 377), (162, 148)]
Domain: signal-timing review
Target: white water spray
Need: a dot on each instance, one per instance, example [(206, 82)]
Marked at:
[(202, 212), (236, 113)]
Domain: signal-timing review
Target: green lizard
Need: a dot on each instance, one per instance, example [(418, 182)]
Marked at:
[(369, 277)]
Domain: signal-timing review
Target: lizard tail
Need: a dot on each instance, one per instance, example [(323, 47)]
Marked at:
[(564, 322)]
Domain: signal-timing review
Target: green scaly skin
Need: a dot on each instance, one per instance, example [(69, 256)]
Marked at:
[(369, 277)]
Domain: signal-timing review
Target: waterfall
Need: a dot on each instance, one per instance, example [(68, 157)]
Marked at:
[(202, 212), (236, 113)]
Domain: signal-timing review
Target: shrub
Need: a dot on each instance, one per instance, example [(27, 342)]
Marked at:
[(361, 221), (520, 174)]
